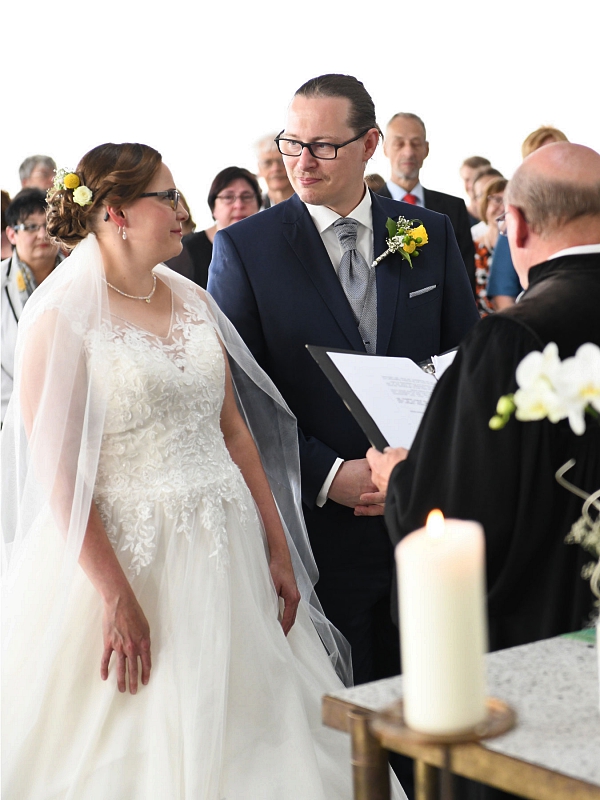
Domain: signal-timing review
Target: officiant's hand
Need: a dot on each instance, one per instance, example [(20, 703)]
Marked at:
[(382, 464), (282, 573), (352, 482)]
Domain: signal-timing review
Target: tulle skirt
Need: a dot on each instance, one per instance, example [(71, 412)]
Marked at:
[(232, 709)]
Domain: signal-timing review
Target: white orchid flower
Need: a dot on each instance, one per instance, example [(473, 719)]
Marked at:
[(536, 397), (578, 384), (538, 365)]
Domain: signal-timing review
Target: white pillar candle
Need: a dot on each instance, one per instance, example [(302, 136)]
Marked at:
[(443, 629)]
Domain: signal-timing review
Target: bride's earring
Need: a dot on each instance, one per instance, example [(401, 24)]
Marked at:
[(124, 234)]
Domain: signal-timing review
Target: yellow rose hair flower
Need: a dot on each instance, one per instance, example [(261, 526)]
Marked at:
[(71, 181)]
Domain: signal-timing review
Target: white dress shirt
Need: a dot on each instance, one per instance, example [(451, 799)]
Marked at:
[(398, 193), (577, 250), (324, 217)]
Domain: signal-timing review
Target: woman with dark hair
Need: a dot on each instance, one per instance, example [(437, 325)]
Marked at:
[(234, 195), (151, 498)]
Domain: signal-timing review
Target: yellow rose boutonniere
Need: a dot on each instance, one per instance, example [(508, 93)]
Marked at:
[(420, 235), (405, 236)]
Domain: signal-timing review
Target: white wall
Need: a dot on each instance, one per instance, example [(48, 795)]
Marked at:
[(202, 85)]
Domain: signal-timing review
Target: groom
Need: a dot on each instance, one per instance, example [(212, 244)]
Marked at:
[(298, 274)]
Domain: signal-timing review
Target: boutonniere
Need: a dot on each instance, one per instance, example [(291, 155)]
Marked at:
[(405, 236)]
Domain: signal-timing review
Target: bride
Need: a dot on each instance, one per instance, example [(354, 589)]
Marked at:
[(162, 638)]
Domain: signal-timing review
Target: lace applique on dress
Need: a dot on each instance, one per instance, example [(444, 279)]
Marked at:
[(163, 454)]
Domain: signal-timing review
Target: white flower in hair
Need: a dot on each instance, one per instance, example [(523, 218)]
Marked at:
[(82, 196)]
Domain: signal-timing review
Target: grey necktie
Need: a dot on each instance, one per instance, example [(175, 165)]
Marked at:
[(358, 282)]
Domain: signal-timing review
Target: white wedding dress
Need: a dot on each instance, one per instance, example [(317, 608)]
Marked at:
[(232, 709)]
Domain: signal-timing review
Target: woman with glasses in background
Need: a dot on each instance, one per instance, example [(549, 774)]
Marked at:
[(234, 195), (490, 207)]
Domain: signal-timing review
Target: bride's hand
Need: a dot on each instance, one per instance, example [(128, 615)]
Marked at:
[(127, 633), (285, 585)]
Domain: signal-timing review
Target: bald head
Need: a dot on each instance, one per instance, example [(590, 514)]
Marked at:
[(556, 186)]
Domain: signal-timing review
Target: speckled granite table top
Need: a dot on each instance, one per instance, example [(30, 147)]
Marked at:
[(552, 685)]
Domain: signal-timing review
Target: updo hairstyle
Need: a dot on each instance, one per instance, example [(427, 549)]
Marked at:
[(116, 174)]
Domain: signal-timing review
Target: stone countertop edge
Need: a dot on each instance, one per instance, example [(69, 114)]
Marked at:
[(552, 685)]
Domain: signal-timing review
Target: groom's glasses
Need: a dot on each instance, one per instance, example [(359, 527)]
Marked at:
[(172, 194), (322, 150)]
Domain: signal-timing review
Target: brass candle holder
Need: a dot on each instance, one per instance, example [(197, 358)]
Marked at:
[(391, 731)]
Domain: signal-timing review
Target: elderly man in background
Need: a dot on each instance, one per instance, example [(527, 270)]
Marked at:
[(406, 147), (37, 172), (33, 258), (505, 479), (271, 168)]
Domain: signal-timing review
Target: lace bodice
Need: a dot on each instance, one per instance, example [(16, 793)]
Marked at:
[(162, 443)]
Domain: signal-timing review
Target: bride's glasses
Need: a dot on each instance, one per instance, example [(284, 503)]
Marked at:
[(172, 194)]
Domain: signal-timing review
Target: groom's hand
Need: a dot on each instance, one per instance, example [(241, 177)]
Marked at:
[(352, 481)]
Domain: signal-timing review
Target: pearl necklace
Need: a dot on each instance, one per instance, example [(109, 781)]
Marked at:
[(147, 298)]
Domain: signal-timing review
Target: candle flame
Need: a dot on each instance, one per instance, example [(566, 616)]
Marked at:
[(435, 525)]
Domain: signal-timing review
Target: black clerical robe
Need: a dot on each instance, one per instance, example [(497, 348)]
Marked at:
[(505, 479)]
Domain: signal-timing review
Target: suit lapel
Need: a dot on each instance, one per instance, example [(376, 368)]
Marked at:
[(304, 239), (390, 273)]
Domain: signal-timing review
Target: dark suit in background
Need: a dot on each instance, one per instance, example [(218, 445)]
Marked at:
[(273, 278), (456, 210)]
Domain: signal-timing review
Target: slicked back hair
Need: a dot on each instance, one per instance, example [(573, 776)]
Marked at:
[(362, 108)]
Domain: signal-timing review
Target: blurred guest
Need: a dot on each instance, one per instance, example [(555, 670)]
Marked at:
[(182, 263), (234, 195), (272, 171), (375, 182), (33, 258), (481, 179), (490, 207), (6, 245), (540, 137), (37, 171), (503, 283), (468, 170), (406, 147), (188, 225)]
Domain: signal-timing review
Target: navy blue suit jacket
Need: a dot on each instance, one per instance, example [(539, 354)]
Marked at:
[(272, 276)]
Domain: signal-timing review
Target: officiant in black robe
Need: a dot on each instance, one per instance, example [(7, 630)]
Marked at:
[(505, 479)]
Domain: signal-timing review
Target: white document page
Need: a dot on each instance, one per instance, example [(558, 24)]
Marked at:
[(395, 392), (441, 363)]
